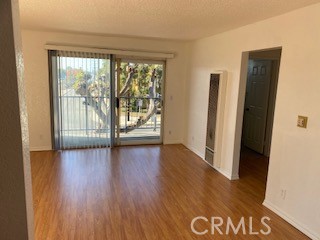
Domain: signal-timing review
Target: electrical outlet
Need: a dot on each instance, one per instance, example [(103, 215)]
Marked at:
[(302, 121)]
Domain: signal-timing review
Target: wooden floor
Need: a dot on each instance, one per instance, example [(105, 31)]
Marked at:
[(147, 192)]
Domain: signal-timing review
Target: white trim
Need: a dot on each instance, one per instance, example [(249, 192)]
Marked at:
[(220, 117), (300, 226), (235, 177), (39, 149), (138, 142), (192, 149), (239, 114), (170, 142), (227, 175), (122, 52), (201, 155)]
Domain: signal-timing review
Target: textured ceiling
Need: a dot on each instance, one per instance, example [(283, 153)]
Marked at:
[(170, 19)]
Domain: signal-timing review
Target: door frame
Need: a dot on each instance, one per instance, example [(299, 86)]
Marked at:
[(117, 139), (240, 108)]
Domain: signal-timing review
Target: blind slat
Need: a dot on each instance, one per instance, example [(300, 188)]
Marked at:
[(83, 90)]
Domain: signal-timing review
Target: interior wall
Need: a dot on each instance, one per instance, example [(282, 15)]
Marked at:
[(16, 207), (37, 83), (294, 164)]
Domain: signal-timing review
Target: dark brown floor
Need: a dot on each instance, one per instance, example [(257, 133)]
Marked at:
[(253, 171), (146, 192)]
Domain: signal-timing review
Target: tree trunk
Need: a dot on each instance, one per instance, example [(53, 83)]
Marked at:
[(97, 102), (124, 91), (152, 109)]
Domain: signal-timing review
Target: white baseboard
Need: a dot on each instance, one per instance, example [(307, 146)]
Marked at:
[(172, 142), (223, 173), (201, 155), (235, 177), (301, 227), (226, 174), (39, 149)]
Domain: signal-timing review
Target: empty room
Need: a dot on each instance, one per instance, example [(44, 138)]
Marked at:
[(159, 119)]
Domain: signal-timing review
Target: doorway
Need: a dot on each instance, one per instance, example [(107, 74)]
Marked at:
[(258, 113)]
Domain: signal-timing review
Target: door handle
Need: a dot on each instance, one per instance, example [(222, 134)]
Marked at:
[(117, 102), (247, 109)]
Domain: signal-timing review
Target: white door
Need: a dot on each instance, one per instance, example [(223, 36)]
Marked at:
[(256, 104)]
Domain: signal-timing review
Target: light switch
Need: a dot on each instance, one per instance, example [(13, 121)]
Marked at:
[(302, 121)]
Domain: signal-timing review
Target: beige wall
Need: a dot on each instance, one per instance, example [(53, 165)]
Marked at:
[(294, 163), (37, 83)]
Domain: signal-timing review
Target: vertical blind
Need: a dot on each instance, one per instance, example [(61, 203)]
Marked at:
[(81, 93)]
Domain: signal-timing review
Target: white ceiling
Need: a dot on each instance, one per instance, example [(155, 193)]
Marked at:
[(169, 19)]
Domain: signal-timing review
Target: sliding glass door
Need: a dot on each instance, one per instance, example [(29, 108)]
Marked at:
[(81, 93), (140, 97), (97, 102)]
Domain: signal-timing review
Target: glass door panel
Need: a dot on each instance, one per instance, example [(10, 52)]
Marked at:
[(140, 95), (81, 99)]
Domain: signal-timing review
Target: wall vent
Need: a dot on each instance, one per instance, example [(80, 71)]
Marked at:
[(217, 96)]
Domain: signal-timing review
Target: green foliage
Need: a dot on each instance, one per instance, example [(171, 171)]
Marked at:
[(141, 81), (81, 81), (142, 77), (84, 83)]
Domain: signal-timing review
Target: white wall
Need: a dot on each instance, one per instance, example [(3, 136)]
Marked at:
[(294, 162), (37, 83)]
